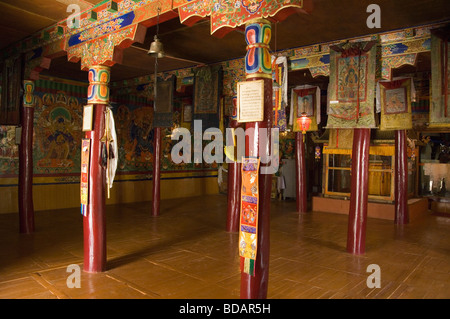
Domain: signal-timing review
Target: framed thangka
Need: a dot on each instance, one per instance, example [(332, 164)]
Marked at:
[(352, 85), (305, 99), (440, 78), (395, 100)]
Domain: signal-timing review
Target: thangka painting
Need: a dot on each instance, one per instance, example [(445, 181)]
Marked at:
[(11, 100), (248, 229), (207, 95), (352, 85), (395, 99), (9, 151), (163, 106), (440, 78), (305, 99), (58, 129), (134, 128), (280, 99)]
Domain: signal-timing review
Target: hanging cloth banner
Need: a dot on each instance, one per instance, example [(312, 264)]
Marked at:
[(340, 141), (110, 140), (351, 91), (163, 105), (84, 182), (280, 90), (305, 98), (207, 95), (248, 230), (395, 101), (440, 78)]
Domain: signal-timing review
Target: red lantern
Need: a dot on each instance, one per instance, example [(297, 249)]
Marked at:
[(304, 122)]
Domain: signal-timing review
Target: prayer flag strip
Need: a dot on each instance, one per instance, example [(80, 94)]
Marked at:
[(248, 230), (84, 183)]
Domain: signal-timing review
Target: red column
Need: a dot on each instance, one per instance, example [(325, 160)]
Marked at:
[(259, 67), (26, 208), (94, 223), (300, 169), (401, 178), (234, 197), (156, 171), (356, 236)]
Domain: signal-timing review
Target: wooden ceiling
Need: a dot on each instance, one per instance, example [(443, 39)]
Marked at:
[(191, 46)]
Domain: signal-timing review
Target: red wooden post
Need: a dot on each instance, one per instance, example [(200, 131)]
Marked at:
[(401, 178), (234, 197), (356, 236), (26, 208), (156, 171), (94, 223), (300, 169), (258, 66)]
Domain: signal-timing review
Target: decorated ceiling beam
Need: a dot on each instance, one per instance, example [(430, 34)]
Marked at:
[(107, 16), (103, 43), (397, 48), (227, 15)]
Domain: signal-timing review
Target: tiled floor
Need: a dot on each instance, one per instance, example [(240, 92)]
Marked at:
[(186, 253)]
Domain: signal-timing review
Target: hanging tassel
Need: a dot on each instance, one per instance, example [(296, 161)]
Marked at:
[(83, 210), (247, 265), (104, 155)]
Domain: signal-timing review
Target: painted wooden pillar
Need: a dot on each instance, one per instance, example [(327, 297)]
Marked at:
[(401, 178), (26, 208), (234, 187), (300, 169), (234, 197), (258, 66), (94, 223), (156, 171), (356, 236)]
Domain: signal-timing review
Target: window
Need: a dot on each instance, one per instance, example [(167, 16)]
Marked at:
[(381, 179)]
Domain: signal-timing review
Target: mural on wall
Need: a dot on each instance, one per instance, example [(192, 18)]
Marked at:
[(58, 134), (134, 128), (9, 151)]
